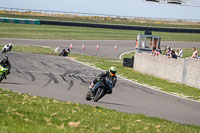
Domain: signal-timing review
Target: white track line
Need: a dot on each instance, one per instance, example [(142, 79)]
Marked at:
[(120, 57)]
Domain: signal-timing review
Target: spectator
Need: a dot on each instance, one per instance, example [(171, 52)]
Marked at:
[(155, 51), (195, 53), (176, 52), (159, 50), (167, 52), (180, 54), (172, 54)]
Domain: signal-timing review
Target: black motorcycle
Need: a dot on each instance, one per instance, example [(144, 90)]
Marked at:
[(104, 87), (65, 52)]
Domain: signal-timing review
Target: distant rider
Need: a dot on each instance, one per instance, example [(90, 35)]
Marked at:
[(7, 48), (65, 52), (111, 74), (5, 63)]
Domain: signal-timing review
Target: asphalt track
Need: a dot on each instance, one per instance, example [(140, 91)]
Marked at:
[(64, 79)]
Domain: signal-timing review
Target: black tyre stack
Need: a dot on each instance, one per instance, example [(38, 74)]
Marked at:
[(128, 62)]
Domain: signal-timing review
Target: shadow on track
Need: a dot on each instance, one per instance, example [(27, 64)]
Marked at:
[(11, 83), (118, 104)]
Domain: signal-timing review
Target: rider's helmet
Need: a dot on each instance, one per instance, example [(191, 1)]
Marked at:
[(112, 70)]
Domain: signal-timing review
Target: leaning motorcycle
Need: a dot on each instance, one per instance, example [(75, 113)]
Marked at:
[(104, 87), (3, 72)]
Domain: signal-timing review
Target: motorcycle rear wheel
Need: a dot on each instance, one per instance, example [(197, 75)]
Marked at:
[(88, 96)]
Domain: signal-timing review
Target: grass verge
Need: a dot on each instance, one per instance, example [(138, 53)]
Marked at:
[(9, 30), (23, 113)]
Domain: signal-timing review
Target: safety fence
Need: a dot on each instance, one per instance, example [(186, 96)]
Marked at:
[(95, 17)]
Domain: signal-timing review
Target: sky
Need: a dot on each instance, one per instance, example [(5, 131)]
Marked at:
[(136, 8)]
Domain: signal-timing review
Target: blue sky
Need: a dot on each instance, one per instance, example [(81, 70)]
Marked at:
[(137, 8)]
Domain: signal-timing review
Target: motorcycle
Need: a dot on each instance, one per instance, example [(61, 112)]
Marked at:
[(3, 72), (7, 48), (65, 52), (104, 87)]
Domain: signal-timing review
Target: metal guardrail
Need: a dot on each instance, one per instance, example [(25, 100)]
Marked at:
[(94, 16)]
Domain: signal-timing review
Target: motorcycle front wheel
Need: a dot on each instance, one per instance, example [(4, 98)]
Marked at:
[(99, 94)]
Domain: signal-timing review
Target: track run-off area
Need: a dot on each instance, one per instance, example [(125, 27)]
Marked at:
[(67, 80)]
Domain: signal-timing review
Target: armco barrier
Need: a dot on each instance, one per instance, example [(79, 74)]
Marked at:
[(123, 27), (19, 21), (180, 70)]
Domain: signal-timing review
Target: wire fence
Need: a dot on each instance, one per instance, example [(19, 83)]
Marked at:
[(92, 17)]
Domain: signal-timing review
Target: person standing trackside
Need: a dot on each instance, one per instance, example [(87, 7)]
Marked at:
[(180, 54), (195, 53)]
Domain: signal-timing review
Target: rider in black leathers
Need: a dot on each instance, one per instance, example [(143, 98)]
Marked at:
[(5, 63), (65, 52), (111, 74)]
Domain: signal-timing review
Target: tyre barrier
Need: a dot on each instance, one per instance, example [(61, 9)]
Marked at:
[(19, 20), (128, 62), (122, 27)]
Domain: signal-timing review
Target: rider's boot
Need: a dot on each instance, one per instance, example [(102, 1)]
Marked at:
[(90, 89), (91, 86)]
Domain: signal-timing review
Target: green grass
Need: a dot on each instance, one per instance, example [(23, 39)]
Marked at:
[(22, 113), (105, 20), (105, 63), (128, 55), (33, 49), (9, 30)]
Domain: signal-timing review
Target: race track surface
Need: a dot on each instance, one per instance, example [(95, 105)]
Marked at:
[(106, 48), (64, 79)]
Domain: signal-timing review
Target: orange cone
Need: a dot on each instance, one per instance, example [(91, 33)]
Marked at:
[(83, 47), (97, 48), (70, 46), (115, 47)]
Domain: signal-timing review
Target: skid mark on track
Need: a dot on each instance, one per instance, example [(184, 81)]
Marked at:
[(61, 66), (69, 77), (71, 83), (31, 75), (46, 65), (21, 74), (51, 78)]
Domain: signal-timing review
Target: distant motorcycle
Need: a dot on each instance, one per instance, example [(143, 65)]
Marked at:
[(3, 72), (7, 48), (65, 52), (104, 87)]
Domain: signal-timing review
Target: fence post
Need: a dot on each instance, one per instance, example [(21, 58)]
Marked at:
[(184, 75)]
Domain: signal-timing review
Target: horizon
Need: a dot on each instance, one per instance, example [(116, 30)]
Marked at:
[(136, 8)]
